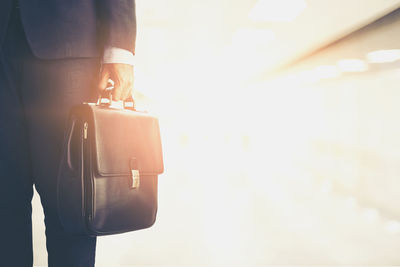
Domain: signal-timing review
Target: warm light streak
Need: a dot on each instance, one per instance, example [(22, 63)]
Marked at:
[(277, 11), (383, 56), (352, 65)]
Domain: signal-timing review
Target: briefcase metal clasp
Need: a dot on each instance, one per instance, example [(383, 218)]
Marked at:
[(135, 179)]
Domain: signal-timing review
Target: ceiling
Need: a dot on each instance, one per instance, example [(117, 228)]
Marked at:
[(321, 22), (297, 27), (248, 37)]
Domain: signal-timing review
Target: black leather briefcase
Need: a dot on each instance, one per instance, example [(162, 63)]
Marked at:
[(107, 180)]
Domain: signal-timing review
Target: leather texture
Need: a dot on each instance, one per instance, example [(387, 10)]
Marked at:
[(96, 192), (115, 148)]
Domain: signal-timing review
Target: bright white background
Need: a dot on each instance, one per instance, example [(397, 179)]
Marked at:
[(261, 169)]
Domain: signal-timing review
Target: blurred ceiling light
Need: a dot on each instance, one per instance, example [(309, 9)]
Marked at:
[(305, 76), (352, 65), (316, 74), (249, 36), (351, 202), (326, 71), (393, 227), (371, 215), (277, 11), (383, 56)]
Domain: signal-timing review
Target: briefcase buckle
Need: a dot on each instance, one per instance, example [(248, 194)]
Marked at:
[(135, 179)]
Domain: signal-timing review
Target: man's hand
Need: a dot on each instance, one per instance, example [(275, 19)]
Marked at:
[(121, 75)]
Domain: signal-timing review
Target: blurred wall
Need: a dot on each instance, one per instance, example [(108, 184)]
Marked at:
[(356, 79)]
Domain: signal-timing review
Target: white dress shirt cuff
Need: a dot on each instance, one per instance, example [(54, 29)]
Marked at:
[(118, 55)]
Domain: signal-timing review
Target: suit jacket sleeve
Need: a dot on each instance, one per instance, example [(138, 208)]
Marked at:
[(117, 20)]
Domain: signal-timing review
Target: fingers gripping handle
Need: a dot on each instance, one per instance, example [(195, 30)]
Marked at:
[(128, 103)]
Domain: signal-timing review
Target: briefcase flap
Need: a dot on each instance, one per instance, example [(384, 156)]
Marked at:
[(126, 140)]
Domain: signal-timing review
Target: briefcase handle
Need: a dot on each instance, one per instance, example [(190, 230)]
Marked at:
[(128, 103)]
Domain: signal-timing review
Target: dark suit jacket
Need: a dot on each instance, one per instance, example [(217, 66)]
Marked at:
[(74, 28)]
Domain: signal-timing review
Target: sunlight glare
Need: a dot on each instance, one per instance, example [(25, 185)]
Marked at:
[(383, 56), (277, 11), (352, 65)]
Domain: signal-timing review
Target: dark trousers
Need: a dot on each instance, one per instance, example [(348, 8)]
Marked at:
[(35, 96)]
